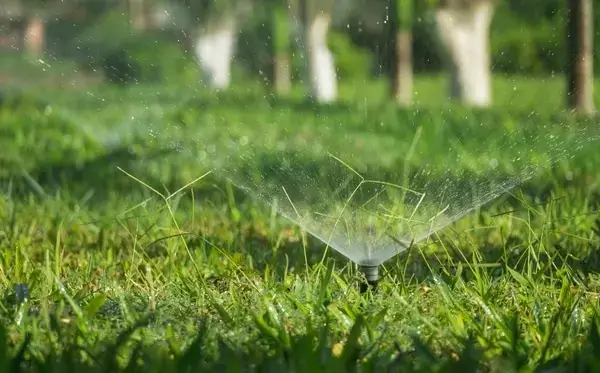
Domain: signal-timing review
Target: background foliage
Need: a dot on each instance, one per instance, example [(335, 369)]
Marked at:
[(527, 38)]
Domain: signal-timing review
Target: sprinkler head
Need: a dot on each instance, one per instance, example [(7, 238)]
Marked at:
[(371, 273)]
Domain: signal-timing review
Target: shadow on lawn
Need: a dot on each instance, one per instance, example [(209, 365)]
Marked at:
[(268, 101), (100, 176)]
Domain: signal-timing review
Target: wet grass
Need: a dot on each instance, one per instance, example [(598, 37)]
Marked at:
[(115, 258)]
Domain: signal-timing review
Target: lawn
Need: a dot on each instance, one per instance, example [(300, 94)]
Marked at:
[(137, 232)]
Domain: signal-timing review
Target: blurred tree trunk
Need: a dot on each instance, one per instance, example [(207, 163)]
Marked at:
[(401, 18), (138, 15), (213, 29), (580, 57), (320, 77), (282, 74), (214, 46), (34, 37), (463, 27)]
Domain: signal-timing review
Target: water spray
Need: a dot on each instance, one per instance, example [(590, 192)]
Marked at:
[(371, 273)]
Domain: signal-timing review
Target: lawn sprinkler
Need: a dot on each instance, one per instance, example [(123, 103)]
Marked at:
[(371, 273)]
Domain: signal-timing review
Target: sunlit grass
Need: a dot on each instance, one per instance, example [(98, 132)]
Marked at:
[(162, 266)]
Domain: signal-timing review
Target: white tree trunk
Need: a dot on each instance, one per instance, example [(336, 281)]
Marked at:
[(465, 34), (321, 65), (214, 48), (35, 34), (137, 15)]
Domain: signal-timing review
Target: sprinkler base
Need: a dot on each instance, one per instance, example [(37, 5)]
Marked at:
[(372, 278)]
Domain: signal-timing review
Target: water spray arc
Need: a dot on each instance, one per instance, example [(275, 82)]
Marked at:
[(368, 206)]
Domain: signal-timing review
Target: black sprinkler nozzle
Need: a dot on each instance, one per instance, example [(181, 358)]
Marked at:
[(372, 278)]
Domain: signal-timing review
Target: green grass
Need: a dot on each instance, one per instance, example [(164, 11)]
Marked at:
[(196, 276)]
